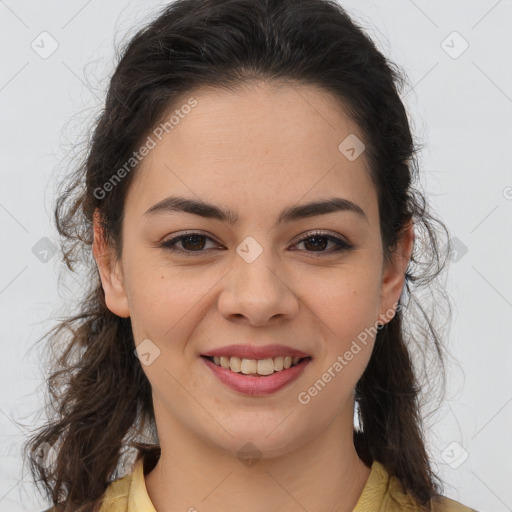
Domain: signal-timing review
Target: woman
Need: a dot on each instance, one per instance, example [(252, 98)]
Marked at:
[(248, 198)]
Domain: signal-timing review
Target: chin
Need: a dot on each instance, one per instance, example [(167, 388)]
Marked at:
[(250, 442)]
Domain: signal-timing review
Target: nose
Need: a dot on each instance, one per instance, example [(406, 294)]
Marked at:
[(257, 292)]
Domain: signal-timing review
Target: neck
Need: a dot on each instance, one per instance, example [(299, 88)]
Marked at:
[(322, 474)]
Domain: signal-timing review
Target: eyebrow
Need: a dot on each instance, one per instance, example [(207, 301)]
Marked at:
[(289, 214)]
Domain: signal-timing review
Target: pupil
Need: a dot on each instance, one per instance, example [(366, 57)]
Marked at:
[(194, 245), (316, 244)]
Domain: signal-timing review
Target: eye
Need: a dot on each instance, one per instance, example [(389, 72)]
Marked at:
[(191, 243), (195, 242), (319, 241)]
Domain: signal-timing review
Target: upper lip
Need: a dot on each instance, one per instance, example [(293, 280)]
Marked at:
[(255, 352)]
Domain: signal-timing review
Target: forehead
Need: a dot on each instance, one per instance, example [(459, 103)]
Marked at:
[(252, 148)]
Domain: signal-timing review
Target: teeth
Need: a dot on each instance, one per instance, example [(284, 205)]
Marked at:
[(265, 366), (235, 364), (249, 366), (256, 366)]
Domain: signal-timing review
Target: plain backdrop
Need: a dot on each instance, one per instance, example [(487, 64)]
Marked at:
[(56, 59)]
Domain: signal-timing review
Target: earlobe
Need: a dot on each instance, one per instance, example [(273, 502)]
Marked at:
[(393, 276), (110, 271)]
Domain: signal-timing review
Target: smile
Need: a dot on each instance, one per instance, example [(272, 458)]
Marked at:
[(242, 375), (259, 367)]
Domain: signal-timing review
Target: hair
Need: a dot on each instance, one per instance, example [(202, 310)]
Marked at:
[(99, 395)]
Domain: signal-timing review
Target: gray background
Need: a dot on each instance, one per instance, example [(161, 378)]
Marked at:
[(461, 106)]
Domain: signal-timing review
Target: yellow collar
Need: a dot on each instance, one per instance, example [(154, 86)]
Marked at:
[(129, 494)]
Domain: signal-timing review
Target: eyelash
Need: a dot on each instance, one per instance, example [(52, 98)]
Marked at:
[(169, 245)]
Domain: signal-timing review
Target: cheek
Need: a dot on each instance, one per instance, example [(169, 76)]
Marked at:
[(347, 311), (165, 302), (346, 300)]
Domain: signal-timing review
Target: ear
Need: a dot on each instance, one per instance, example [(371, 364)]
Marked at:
[(110, 270), (393, 274)]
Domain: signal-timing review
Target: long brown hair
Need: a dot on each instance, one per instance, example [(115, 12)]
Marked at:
[(99, 401)]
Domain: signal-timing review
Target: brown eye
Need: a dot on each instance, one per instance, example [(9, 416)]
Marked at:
[(190, 243), (193, 242), (318, 241)]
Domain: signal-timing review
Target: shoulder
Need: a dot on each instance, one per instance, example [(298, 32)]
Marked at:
[(398, 499), (445, 504), (115, 497), (438, 504)]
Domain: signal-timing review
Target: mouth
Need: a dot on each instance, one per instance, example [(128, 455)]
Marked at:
[(256, 367)]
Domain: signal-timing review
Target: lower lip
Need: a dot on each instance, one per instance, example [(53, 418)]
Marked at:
[(251, 385)]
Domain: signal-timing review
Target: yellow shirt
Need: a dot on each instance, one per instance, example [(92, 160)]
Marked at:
[(381, 493)]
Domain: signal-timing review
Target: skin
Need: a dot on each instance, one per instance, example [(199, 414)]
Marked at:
[(255, 151)]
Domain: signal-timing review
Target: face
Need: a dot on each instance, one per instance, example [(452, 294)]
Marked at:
[(311, 283)]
